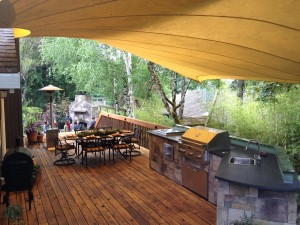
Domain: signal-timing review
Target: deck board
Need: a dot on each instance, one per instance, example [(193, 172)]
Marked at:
[(116, 193)]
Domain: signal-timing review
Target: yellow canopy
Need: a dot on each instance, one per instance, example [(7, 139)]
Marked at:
[(200, 39)]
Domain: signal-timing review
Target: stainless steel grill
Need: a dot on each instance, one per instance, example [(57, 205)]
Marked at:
[(196, 142)]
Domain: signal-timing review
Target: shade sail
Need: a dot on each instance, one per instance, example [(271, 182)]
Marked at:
[(200, 39)]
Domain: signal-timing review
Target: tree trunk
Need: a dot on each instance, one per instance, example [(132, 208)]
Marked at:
[(126, 98), (25, 85), (116, 102), (170, 105), (157, 82), (216, 96), (183, 91), (241, 85), (130, 98)]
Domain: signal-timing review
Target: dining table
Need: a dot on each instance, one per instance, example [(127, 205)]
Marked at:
[(106, 139)]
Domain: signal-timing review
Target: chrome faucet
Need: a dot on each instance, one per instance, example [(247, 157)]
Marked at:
[(257, 157)]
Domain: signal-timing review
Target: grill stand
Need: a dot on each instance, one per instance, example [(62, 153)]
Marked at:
[(17, 170), (6, 197)]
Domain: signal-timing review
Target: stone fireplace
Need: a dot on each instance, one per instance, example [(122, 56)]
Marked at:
[(83, 109)]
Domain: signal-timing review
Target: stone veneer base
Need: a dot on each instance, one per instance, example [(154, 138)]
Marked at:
[(269, 207)]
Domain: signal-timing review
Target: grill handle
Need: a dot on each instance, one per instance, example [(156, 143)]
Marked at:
[(206, 156)]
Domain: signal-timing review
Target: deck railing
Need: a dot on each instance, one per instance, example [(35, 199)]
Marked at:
[(127, 123)]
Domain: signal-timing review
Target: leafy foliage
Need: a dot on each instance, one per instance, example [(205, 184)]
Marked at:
[(14, 214), (275, 123), (245, 220), (152, 111), (269, 112), (90, 66), (32, 119)]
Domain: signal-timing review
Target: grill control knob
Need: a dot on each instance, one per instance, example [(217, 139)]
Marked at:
[(199, 156), (191, 153)]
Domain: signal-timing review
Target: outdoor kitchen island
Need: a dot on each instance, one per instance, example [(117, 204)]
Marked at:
[(266, 188)]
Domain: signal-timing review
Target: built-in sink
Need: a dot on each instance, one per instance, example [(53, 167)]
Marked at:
[(242, 161)]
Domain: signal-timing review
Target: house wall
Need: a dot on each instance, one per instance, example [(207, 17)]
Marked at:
[(10, 63)]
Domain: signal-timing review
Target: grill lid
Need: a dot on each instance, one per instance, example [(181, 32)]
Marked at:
[(17, 168), (211, 138)]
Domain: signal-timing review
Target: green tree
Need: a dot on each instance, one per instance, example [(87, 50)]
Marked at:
[(95, 68), (31, 70), (170, 104), (274, 121)]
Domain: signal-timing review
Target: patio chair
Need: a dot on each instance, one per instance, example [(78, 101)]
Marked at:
[(92, 146), (136, 138), (121, 145), (63, 149)]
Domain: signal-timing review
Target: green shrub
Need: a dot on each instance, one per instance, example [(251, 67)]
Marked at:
[(152, 111), (245, 220), (274, 123), (14, 214)]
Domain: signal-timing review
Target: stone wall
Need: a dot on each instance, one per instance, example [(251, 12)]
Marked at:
[(173, 170), (269, 207), (214, 162), (168, 168)]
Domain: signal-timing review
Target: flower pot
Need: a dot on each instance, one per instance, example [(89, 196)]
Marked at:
[(40, 138), (32, 137)]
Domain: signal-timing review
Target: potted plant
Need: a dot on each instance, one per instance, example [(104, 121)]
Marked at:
[(32, 118), (34, 132), (31, 132), (40, 135)]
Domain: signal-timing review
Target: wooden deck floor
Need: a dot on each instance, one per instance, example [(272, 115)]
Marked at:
[(116, 193)]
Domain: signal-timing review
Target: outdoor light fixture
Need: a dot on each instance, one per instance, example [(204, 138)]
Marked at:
[(50, 90), (19, 32)]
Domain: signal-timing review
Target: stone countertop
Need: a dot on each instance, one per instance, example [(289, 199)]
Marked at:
[(173, 137), (266, 176)]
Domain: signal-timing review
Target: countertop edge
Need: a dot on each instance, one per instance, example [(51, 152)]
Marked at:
[(225, 154), (169, 137), (269, 188), (225, 170)]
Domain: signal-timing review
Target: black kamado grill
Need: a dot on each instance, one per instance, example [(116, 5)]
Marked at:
[(17, 169)]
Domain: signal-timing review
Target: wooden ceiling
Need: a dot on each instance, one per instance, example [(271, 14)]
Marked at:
[(200, 39)]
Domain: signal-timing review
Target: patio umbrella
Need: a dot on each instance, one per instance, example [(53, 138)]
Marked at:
[(50, 90)]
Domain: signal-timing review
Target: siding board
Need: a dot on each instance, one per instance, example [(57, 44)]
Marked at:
[(10, 63)]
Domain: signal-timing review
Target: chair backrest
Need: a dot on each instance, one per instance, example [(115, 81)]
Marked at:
[(90, 143), (55, 140), (137, 133)]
